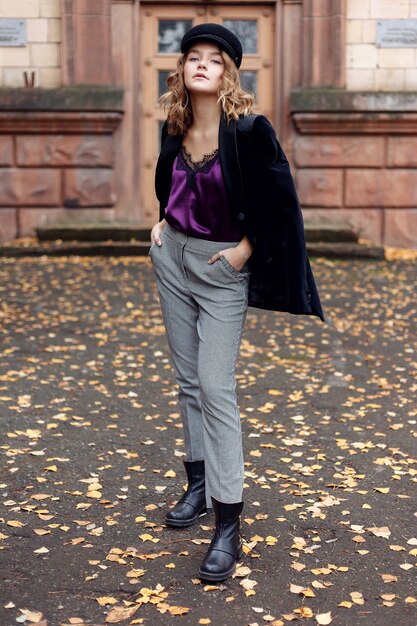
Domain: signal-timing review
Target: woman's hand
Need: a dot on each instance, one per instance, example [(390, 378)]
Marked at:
[(156, 232), (237, 256)]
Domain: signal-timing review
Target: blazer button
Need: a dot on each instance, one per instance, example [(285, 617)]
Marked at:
[(240, 216)]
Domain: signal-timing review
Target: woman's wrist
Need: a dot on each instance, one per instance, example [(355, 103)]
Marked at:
[(156, 231), (246, 247)]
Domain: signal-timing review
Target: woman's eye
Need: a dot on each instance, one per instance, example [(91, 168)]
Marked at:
[(196, 59)]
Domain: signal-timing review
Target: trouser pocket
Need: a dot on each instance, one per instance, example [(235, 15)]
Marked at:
[(239, 275)]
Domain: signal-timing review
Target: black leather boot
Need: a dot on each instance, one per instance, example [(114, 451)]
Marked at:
[(226, 546), (192, 503)]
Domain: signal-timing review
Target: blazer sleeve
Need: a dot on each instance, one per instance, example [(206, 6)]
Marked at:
[(164, 135), (284, 208), (164, 132), (274, 167)]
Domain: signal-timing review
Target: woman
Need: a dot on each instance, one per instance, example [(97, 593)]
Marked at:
[(230, 235)]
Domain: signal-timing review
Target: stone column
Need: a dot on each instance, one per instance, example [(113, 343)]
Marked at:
[(86, 42), (323, 45), (125, 28)]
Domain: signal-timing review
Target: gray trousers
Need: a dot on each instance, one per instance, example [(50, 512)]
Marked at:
[(204, 310)]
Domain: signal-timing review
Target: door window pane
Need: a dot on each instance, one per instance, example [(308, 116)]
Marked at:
[(249, 81), (170, 33), (162, 82), (246, 31)]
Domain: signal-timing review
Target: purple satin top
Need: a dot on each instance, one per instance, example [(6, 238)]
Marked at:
[(197, 203)]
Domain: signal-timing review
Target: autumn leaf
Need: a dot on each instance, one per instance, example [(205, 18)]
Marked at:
[(270, 540), (357, 597), (248, 584), (389, 578), (383, 531), (119, 614), (31, 616), (346, 604), (178, 610), (104, 600)]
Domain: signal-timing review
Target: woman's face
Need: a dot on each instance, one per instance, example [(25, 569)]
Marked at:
[(203, 68)]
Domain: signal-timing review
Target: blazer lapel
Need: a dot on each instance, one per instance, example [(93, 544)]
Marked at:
[(229, 163), (163, 173)]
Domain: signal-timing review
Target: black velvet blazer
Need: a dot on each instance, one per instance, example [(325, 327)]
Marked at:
[(261, 193)]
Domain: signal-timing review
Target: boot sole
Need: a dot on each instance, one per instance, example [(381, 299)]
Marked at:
[(188, 522)]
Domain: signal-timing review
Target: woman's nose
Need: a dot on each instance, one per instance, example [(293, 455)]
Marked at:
[(202, 64)]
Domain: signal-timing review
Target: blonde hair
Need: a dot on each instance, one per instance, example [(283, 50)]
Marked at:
[(233, 99)]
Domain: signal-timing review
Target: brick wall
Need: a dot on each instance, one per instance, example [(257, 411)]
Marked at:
[(364, 182), (356, 162), (43, 175), (57, 156), (372, 68), (42, 53)]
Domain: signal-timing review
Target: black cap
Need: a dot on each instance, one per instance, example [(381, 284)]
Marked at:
[(218, 34)]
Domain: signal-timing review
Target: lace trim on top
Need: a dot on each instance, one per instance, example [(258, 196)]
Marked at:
[(197, 165), (186, 163)]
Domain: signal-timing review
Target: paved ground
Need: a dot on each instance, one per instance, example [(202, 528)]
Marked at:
[(91, 449)]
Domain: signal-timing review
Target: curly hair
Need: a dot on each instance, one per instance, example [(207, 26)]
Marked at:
[(233, 99)]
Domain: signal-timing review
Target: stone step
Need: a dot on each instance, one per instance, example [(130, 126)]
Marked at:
[(129, 232), (80, 248), (344, 250), (330, 233), (141, 248), (115, 231)]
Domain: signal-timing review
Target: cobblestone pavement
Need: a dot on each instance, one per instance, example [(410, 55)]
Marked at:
[(91, 447)]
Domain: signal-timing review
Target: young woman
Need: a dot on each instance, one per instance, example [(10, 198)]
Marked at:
[(230, 235)]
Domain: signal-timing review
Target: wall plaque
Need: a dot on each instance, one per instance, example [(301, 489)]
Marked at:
[(396, 34), (12, 33)]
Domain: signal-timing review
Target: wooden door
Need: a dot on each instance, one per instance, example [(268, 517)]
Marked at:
[(162, 28)]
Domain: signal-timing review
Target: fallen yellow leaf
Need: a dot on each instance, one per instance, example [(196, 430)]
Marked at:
[(119, 614), (388, 596), (383, 531), (304, 611), (270, 540), (106, 600), (32, 616), (389, 578)]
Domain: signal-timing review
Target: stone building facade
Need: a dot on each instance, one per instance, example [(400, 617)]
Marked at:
[(80, 122)]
